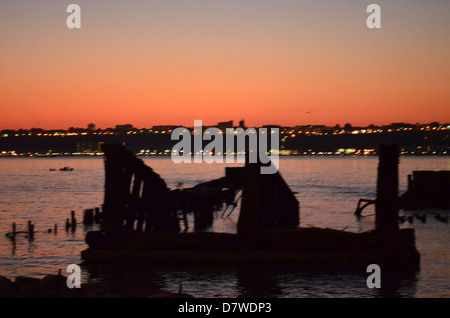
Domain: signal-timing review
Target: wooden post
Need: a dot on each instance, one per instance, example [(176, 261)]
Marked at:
[(114, 196), (250, 218), (88, 217), (204, 216), (73, 220), (30, 231), (97, 215), (410, 181), (185, 220), (386, 208), (14, 232), (91, 216), (267, 203), (249, 223)]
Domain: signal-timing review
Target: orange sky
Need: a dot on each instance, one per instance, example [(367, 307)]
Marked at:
[(170, 62)]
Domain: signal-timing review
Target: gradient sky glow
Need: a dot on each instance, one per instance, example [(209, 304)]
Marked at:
[(268, 62)]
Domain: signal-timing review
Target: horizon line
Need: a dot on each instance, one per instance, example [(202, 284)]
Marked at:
[(233, 123)]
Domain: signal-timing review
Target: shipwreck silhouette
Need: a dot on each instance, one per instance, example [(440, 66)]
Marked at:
[(143, 218)]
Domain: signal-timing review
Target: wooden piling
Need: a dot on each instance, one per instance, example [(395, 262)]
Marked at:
[(114, 200), (73, 220), (13, 233), (30, 231), (249, 223), (267, 202), (97, 215), (185, 220), (387, 202), (203, 216), (88, 217)]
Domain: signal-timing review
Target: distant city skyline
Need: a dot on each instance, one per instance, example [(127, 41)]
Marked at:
[(287, 62), (228, 124), (236, 124), (414, 139)]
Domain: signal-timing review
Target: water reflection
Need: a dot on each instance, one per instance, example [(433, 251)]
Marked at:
[(398, 283), (257, 282), (13, 247), (251, 281)]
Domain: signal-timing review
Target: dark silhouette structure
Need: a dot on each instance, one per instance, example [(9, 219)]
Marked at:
[(138, 200), (141, 220), (427, 189), (386, 204), (267, 202)]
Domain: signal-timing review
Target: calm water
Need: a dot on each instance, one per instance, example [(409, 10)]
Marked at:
[(328, 190)]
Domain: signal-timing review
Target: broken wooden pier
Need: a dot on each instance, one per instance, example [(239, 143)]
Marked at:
[(427, 189), (143, 220)]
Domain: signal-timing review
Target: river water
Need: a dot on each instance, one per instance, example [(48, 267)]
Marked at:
[(328, 189)]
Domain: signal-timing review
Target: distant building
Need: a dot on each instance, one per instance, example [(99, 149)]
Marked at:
[(85, 147), (100, 146), (91, 127), (224, 125), (402, 125), (318, 128), (124, 128), (271, 126)]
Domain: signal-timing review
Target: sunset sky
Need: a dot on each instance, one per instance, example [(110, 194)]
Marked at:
[(268, 62)]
